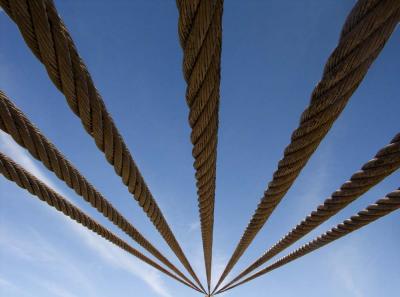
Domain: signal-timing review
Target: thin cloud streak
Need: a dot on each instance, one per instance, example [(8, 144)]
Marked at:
[(10, 287), (56, 290), (194, 226), (346, 262), (33, 248), (113, 256), (18, 154), (219, 261), (313, 187), (6, 284)]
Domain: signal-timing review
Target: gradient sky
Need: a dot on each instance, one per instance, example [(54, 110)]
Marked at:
[(273, 55)]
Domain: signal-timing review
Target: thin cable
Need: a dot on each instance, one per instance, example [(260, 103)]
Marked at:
[(373, 212), (364, 34), (15, 123), (47, 37), (200, 32), (25, 180), (385, 162)]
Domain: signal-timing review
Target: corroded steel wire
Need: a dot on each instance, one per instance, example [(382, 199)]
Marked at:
[(25, 180), (15, 123), (48, 38), (200, 32), (373, 212), (385, 162), (364, 34)]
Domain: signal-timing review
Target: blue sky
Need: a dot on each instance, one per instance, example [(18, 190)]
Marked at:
[(273, 55)]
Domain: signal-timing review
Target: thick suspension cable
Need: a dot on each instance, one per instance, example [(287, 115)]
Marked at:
[(385, 162), (20, 128), (25, 180), (200, 32), (373, 212), (48, 38), (364, 34)]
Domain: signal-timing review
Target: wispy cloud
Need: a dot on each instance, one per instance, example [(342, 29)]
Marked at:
[(312, 189), (194, 226), (346, 261), (18, 154), (219, 261), (114, 257), (56, 290), (41, 250), (6, 284), (19, 247)]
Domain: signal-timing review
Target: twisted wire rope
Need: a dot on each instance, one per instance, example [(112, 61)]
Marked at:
[(200, 32), (364, 34), (47, 37), (379, 209), (385, 162), (13, 172), (15, 123)]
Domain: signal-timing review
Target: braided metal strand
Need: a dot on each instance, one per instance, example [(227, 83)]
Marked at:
[(373, 212), (385, 162), (200, 33), (364, 35), (16, 124), (49, 40), (25, 180)]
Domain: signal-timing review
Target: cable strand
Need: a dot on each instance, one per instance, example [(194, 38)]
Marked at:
[(385, 162), (15, 123), (13, 172), (200, 32), (364, 34), (47, 37), (379, 209)]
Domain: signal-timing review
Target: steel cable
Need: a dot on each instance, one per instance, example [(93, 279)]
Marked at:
[(385, 162), (25, 180), (373, 212), (47, 37), (200, 32), (15, 123), (364, 34)]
